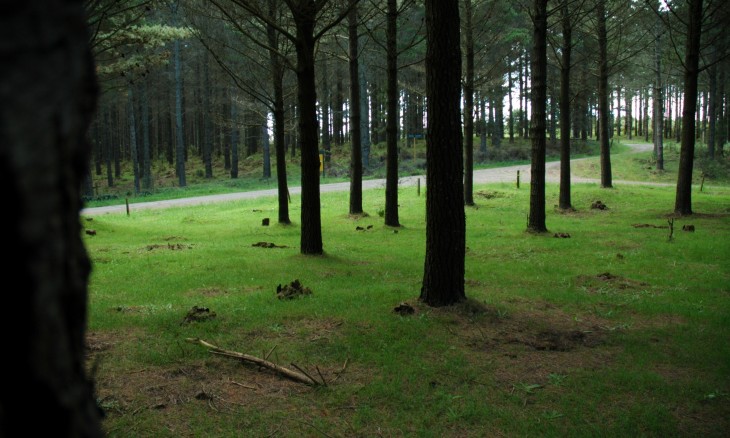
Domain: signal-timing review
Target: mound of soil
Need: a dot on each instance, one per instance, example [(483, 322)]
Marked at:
[(292, 290), (198, 314)]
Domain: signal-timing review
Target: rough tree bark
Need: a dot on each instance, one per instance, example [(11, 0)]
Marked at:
[(536, 219), (443, 278), (683, 200), (355, 127), (391, 123), (47, 98), (603, 111), (565, 202)]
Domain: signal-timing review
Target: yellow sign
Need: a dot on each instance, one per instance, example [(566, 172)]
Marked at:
[(321, 162)]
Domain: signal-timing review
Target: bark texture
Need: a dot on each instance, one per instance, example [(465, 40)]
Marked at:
[(443, 278), (48, 95), (683, 200), (536, 220)]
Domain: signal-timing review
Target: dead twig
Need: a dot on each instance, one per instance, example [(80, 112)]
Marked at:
[(241, 384), (305, 373), (342, 371), (324, 382), (300, 377)]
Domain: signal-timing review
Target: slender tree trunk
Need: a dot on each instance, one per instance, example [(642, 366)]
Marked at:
[(564, 199), (391, 124), (133, 138), (355, 128), (108, 150), (146, 149), (234, 137), (483, 129), (277, 78), (683, 200), (326, 138), (658, 96), (443, 277), (364, 115), (469, 106), (47, 100), (713, 111), (606, 178), (511, 119), (207, 119), (536, 219), (179, 141)]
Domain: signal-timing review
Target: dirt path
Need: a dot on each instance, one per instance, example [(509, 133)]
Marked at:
[(481, 176)]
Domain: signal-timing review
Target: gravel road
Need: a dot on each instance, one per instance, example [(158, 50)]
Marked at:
[(481, 176)]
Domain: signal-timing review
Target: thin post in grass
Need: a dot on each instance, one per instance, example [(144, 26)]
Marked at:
[(702, 184), (418, 189), (518, 179), (126, 203)]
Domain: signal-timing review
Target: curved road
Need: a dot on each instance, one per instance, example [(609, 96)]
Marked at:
[(481, 176)]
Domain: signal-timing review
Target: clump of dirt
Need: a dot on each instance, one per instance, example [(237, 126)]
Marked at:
[(599, 205), (359, 228), (648, 226), (562, 235), (198, 314), (404, 309), (268, 245), (490, 194), (292, 290), (599, 283), (170, 246)]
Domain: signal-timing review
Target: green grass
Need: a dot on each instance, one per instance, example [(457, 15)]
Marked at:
[(640, 352)]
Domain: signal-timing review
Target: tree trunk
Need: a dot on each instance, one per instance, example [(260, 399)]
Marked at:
[(355, 128), (469, 106), (606, 178), (311, 234), (108, 150), (266, 149), (713, 111), (536, 219), (47, 100), (146, 149), (234, 137), (658, 97), (391, 124), (564, 199), (133, 138), (277, 78), (207, 119), (443, 277), (683, 201), (364, 116), (179, 141)]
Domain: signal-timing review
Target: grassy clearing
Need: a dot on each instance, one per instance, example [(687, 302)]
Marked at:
[(615, 331)]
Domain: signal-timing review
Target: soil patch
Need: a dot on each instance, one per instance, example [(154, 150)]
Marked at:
[(169, 246)]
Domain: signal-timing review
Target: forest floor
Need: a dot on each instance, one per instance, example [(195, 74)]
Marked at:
[(613, 324)]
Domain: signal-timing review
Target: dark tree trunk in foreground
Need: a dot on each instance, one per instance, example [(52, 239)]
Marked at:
[(391, 123), (355, 127), (443, 277), (683, 201), (47, 98), (536, 220), (311, 235), (606, 178), (565, 202)]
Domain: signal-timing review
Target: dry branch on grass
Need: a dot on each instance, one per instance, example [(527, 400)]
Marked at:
[(297, 376)]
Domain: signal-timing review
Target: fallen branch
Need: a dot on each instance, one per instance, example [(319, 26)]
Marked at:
[(286, 372)]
